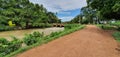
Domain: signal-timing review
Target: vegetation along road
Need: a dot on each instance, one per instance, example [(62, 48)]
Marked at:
[(21, 33), (89, 42)]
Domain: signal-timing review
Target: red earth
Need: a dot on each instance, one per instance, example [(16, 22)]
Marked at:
[(88, 42)]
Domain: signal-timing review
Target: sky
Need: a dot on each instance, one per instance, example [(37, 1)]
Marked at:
[(66, 9)]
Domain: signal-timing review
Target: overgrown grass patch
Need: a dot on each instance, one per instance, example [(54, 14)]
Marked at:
[(107, 27), (116, 35)]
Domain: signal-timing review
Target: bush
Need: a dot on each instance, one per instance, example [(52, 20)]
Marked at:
[(31, 39), (10, 47), (15, 44), (3, 41), (38, 34)]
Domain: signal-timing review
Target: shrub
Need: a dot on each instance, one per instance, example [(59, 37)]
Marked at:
[(15, 45), (31, 39), (3, 41), (38, 34), (10, 47)]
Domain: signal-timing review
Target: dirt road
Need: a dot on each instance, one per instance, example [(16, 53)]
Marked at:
[(88, 42)]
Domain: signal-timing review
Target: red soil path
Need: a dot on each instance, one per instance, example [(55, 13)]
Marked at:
[(88, 42)]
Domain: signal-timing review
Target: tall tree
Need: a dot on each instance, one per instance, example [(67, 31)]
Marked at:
[(109, 9)]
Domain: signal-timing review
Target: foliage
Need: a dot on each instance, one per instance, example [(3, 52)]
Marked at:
[(25, 14), (3, 41), (117, 24), (107, 27), (86, 16), (7, 47), (53, 34), (117, 36), (89, 14), (97, 11), (6, 28), (109, 9), (71, 26), (41, 25), (77, 19), (31, 39)]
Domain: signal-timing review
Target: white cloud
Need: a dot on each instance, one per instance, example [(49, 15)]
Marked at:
[(61, 5), (66, 18)]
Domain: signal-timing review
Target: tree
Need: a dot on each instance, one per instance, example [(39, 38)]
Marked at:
[(109, 9), (52, 18), (25, 14), (77, 19), (89, 14)]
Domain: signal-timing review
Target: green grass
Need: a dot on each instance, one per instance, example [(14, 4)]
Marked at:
[(107, 27), (49, 38), (116, 35)]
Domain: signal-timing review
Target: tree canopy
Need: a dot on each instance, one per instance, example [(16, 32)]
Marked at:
[(109, 9), (99, 10), (24, 13)]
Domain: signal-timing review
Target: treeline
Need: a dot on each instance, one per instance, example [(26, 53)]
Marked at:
[(24, 14), (97, 11)]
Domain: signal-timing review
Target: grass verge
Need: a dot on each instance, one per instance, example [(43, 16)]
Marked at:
[(107, 27), (116, 35)]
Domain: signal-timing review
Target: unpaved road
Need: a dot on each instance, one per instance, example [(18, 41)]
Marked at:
[(88, 42)]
